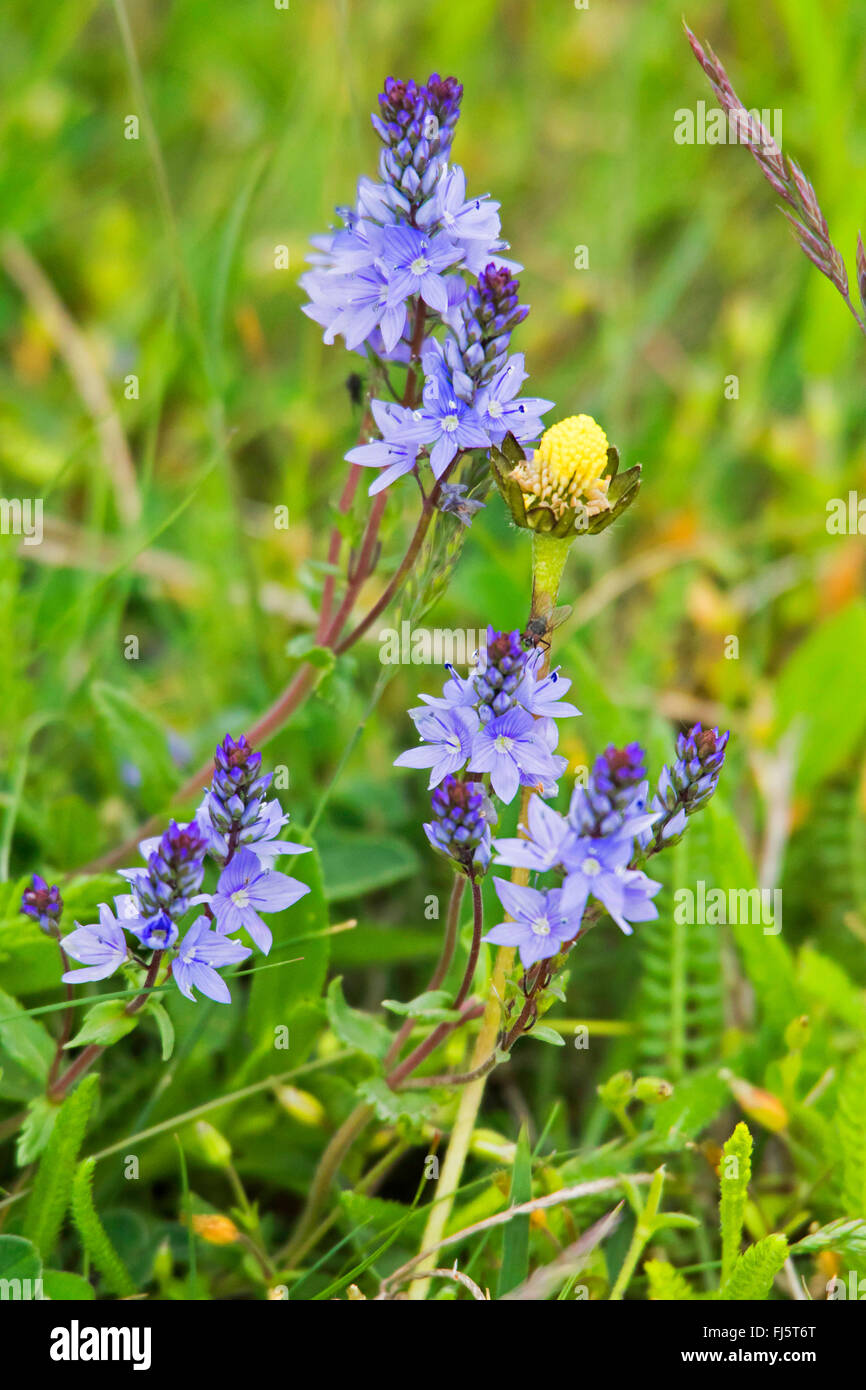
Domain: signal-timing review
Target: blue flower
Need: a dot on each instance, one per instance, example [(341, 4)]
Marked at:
[(485, 320), (414, 263), (234, 812), (261, 834), (501, 684), (451, 424), (546, 834), (201, 953), (245, 889), (403, 432), (598, 868), (500, 672), (544, 697), (156, 934), (501, 413), (514, 750), (447, 745), (101, 947), (541, 922), (416, 126), (366, 304), (473, 225)]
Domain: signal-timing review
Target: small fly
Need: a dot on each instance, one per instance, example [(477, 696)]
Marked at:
[(537, 629)]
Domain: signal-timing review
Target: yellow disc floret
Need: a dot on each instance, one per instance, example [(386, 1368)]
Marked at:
[(573, 452), (565, 470)]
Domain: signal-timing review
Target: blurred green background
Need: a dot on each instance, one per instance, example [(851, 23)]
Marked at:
[(253, 125)]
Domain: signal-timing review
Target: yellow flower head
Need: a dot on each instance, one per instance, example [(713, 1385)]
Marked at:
[(564, 471)]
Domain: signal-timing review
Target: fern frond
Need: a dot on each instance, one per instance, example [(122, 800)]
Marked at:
[(53, 1185), (93, 1235), (851, 1134), (755, 1270), (735, 1170), (666, 1284)]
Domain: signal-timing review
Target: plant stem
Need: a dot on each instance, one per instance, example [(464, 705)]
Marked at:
[(66, 1025), (398, 1076), (57, 1089), (467, 1111), (460, 1078), (360, 1117), (340, 1143), (643, 1231), (84, 1060), (439, 1033), (458, 888)]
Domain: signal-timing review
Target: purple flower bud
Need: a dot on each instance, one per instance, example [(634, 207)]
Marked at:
[(501, 672), (689, 784), (416, 126), (175, 869), (460, 828), (612, 795), (43, 903)]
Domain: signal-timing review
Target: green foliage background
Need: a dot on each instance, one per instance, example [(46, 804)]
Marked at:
[(253, 125)]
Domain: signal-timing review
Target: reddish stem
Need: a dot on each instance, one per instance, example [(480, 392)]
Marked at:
[(433, 1040), (57, 1090)]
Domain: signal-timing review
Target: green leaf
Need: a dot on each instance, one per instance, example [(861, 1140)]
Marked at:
[(373, 1219), (357, 864), (431, 1006), (93, 1236), (849, 1237), (381, 945), (165, 1026), (735, 1170), (357, 1030), (820, 689), (304, 646), (766, 959), (130, 726), (105, 1024), (286, 996), (29, 961), (53, 1184), (63, 1287), (19, 1259), (36, 1130), (545, 1034), (824, 980), (514, 1269), (755, 1270), (26, 1049), (695, 1103), (392, 1106)]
